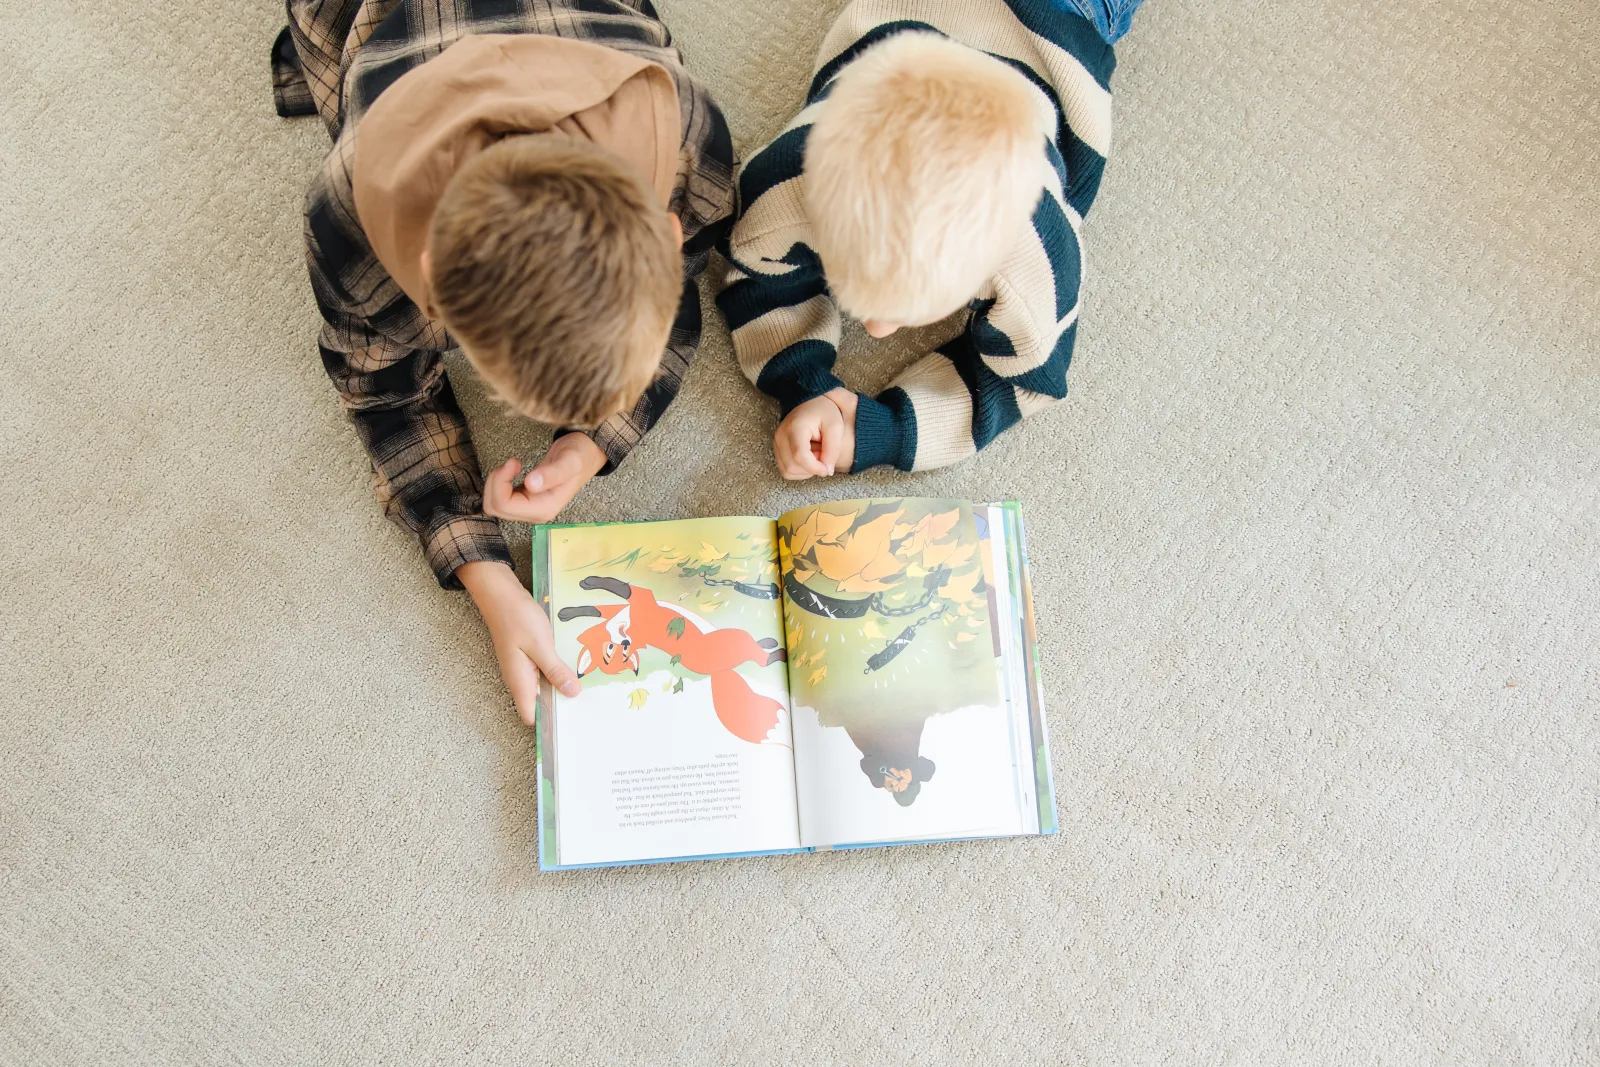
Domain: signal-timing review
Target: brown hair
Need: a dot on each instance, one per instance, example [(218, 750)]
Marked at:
[(560, 275)]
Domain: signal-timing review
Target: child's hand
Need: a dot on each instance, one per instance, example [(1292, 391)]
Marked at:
[(523, 642), (572, 460), (818, 438)]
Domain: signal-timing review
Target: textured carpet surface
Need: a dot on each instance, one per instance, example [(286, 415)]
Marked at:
[(1317, 538)]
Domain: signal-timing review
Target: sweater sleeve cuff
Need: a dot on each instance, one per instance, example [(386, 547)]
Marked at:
[(801, 372), (886, 432), (462, 539), (804, 392)]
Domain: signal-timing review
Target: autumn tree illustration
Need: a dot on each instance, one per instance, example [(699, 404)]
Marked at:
[(871, 562)]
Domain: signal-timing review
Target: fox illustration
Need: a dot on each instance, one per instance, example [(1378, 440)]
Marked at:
[(613, 645)]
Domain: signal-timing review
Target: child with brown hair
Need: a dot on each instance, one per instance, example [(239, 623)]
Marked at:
[(538, 184)]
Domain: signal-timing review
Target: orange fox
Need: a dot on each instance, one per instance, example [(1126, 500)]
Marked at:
[(613, 646)]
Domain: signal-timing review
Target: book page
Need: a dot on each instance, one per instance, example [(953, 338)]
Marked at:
[(679, 744), (901, 726)]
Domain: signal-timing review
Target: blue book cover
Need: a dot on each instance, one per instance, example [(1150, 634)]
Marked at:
[(850, 675)]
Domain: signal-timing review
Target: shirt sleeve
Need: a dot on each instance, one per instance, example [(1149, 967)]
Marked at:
[(425, 470), (384, 358), (1009, 363), (785, 324)]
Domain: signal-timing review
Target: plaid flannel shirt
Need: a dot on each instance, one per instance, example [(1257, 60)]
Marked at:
[(383, 355)]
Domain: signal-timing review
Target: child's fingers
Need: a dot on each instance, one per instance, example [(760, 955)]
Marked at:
[(522, 681), (497, 487), (559, 466), (829, 447), (800, 436), (545, 506), (550, 665), (783, 452), (780, 452), (780, 455)]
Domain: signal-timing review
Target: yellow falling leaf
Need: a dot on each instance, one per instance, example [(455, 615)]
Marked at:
[(912, 536), (870, 628), (963, 636), (709, 553), (939, 525), (831, 527), (862, 564), (935, 555), (637, 697), (857, 584), (960, 556), (661, 565), (961, 587), (804, 536), (818, 675)]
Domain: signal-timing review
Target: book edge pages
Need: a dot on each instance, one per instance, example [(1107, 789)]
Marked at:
[(1044, 772)]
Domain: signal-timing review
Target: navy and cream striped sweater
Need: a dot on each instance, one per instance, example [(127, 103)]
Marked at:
[(1011, 359)]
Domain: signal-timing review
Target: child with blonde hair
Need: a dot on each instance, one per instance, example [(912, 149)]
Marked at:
[(945, 158)]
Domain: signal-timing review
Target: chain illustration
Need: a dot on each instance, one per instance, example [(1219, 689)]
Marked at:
[(878, 605), (840, 608), (879, 660), (760, 592)]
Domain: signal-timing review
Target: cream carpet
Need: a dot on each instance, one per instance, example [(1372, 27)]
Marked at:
[(1317, 539)]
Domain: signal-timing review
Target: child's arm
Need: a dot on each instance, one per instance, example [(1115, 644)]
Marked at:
[(425, 470), (785, 325), (1010, 362)]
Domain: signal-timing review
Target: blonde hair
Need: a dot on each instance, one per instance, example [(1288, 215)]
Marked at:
[(922, 168), (559, 273)]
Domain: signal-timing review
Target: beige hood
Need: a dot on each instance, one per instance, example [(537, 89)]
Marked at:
[(486, 87)]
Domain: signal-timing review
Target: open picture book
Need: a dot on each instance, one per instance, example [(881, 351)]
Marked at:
[(852, 674)]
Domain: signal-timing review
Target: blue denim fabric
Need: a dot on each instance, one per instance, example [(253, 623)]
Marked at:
[(1111, 17)]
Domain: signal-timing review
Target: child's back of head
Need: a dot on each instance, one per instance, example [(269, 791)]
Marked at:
[(922, 168), (559, 275)]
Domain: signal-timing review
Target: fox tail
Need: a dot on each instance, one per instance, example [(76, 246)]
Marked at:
[(747, 714)]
